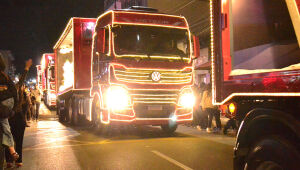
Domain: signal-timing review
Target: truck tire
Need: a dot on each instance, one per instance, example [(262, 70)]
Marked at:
[(69, 111), (59, 112), (95, 118), (75, 118), (272, 153), (168, 128), (99, 128)]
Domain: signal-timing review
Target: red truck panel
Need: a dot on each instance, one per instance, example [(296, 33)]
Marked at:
[(77, 40), (265, 74), (82, 53)]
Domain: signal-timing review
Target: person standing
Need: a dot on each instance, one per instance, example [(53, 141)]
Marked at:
[(203, 117), (18, 121), (210, 109), (230, 123), (27, 106), (32, 97), (197, 106), (8, 103), (37, 95)]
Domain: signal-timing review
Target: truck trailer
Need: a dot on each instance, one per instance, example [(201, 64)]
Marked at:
[(138, 70), (73, 68), (255, 58), (47, 79)]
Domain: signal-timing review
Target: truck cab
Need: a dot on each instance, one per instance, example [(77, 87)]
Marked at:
[(142, 69)]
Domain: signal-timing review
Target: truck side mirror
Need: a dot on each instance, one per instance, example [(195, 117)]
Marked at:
[(101, 41), (196, 46)]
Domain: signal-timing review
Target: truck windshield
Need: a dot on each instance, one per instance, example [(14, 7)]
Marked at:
[(151, 41), (274, 46)]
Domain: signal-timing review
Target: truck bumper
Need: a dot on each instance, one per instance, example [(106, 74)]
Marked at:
[(179, 119), (53, 103)]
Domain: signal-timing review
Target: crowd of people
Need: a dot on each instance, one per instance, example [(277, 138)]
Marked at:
[(19, 105), (205, 111)]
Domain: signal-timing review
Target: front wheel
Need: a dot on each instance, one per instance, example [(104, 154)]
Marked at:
[(273, 153), (169, 129)]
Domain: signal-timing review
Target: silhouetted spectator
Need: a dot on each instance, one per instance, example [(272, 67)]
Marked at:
[(8, 103), (37, 95), (18, 121), (210, 109)]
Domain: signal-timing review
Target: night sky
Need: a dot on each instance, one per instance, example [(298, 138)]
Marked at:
[(30, 28)]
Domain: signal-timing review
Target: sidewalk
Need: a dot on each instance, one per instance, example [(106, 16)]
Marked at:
[(46, 113)]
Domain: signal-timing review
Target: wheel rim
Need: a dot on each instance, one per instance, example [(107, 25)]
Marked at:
[(269, 165), (70, 111), (94, 112)]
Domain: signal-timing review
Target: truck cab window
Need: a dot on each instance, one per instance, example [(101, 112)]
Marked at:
[(276, 41), (95, 56), (106, 34)]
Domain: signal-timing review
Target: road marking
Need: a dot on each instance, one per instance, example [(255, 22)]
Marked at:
[(67, 145), (171, 160), (54, 140)]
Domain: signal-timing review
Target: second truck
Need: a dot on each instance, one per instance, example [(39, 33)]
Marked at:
[(127, 67)]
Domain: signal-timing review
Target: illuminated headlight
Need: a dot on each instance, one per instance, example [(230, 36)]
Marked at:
[(187, 98), (52, 96), (117, 98)]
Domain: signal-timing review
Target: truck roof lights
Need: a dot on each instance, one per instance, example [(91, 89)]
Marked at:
[(142, 9)]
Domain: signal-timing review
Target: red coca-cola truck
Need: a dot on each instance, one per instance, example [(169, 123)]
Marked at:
[(255, 58), (46, 79), (73, 68), (139, 71)]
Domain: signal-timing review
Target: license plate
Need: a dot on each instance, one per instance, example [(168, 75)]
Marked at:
[(155, 107)]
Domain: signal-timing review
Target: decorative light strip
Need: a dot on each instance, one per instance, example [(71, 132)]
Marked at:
[(149, 69), (120, 77), (259, 95), (158, 95), (140, 98), (149, 24), (154, 14), (67, 29), (212, 52), (160, 82), (155, 57)]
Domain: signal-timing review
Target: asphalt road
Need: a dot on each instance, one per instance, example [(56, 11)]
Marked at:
[(51, 145)]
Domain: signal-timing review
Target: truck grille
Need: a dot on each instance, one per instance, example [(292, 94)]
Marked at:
[(142, 111), (134, 75), (154, 96)]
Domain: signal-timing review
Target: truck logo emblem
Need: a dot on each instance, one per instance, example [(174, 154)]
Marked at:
[(155, 76)]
